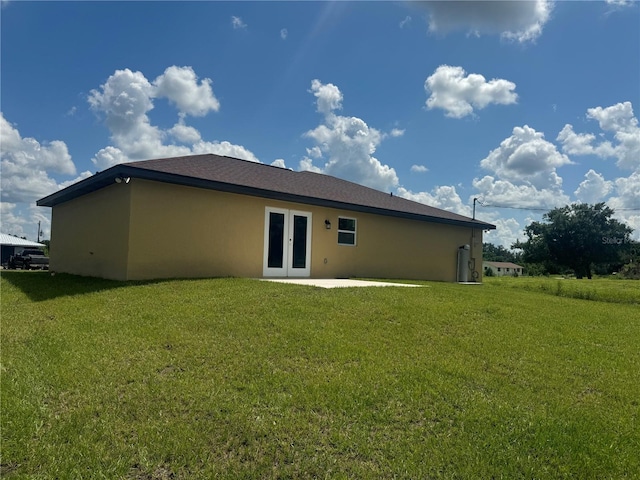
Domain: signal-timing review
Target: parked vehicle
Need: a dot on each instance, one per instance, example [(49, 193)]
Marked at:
[(29, 259)]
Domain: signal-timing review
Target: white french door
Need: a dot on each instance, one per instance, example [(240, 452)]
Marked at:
[(287, 243)]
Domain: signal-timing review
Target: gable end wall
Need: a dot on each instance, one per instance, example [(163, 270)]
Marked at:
[(89, 235)]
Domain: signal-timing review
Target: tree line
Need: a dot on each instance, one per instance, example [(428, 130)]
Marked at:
[(579, 239)]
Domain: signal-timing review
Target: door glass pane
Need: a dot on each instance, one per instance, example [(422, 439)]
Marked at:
[(299, 242), (276, 240)]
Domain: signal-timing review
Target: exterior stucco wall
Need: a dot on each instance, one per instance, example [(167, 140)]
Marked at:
[(89, 234), (389, 247), (179, 231), (145, 230)]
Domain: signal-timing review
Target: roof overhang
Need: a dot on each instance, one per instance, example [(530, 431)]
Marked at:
[(109, 177)]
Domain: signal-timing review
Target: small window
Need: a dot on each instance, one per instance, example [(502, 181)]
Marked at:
[(346, 231), (498, 268)]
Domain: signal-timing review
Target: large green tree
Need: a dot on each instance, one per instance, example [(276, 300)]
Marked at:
[(577, 237), (493, 253)]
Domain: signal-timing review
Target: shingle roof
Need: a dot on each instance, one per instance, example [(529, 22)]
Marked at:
[(251, 178)]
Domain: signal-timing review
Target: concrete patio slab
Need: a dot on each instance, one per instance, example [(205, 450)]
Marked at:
[(337, 282)]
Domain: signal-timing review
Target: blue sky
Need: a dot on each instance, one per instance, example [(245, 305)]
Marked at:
[(528, 105)]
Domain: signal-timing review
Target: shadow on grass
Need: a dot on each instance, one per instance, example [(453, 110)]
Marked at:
[(40, 286)]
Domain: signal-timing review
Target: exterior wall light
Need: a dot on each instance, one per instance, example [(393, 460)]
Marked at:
[(327, 224), (123, 179)]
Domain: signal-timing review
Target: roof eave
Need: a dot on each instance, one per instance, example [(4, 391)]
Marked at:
[(88, 185), (108, 177), (320, 202)]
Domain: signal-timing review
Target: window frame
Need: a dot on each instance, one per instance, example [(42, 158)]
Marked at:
[(353, 232)]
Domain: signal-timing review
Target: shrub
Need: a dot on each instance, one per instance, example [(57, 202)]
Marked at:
[(631, 271)]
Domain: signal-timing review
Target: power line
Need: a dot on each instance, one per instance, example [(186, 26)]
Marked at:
[(513, 207), (540, 209)]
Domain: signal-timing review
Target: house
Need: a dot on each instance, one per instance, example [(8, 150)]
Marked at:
[(210, 215), (10, 245), (500, 269)]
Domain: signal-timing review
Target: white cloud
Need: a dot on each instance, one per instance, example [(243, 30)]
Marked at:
[(628, 191), (405, 22), (626, 201), (284, 33), (525, 166), (504, 193), (82, 176), (27, 165), (27, 175), (10, 139), (279, 162), (126, 98), (11, 223), (22, 220), (397, 132), (223, 148), (507, 232), (620, 120), (314, 152), (581, 143), (29, 153), (108, 157), (306, 165), (620, 3), (180, 86), (329, 97), (237, 23), (594, 188), (512, 19), (419, 168), (444, 197), (457, 93), (20, 185), (617, 119), (347, 142), (184, 133), (527, 157)]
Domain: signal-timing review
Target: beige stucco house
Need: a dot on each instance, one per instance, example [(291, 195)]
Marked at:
[(210, 216)]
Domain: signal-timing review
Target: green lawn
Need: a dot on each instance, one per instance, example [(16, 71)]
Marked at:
[(236, 378)]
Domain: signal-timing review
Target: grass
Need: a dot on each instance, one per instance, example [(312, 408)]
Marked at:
[(598, 289), (235, 378)]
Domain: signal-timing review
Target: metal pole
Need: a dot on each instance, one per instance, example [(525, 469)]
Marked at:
[(474, 208)]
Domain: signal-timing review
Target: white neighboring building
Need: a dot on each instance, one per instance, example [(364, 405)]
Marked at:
[(501, 269), (10, 245)]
